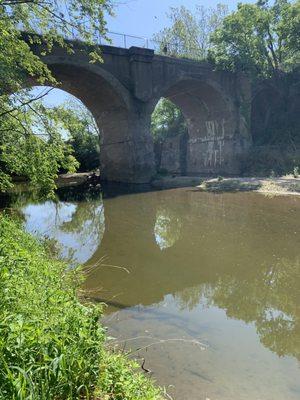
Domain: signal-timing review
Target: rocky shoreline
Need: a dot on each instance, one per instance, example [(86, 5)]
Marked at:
[(285, 185)]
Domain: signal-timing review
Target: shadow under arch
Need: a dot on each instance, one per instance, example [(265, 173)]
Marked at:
[(267, 103), (216, 137)]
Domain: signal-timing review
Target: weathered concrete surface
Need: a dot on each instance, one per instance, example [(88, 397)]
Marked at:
[(122, 93), (170, 155)]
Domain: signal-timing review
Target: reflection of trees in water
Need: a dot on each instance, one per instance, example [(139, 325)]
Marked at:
[(74, 220), (190, 298), (167, 228), (85, 226), (87, 221), (268, 296)]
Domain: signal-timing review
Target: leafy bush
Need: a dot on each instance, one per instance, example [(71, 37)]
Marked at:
[(36, 159), (51, 345)]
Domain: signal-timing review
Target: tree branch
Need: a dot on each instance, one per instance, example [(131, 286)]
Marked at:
[(271, 48), (25, 103), (17, 2)]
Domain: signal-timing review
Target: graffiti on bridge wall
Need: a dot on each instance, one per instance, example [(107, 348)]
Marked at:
[(211, 144)]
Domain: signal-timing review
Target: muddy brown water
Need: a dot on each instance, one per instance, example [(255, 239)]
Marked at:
[(204, 287)]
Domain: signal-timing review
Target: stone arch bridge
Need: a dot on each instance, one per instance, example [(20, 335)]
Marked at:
[(123, 91)]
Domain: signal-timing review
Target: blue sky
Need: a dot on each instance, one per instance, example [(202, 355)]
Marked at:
[(146, 17), (143, 18)]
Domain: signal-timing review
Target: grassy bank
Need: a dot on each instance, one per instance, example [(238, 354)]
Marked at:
[(52, 346)]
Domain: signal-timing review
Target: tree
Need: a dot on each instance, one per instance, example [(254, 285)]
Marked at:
[(260, 39), (75, 121), (167, 120), (35, 154), (188, 35), (55, 21)]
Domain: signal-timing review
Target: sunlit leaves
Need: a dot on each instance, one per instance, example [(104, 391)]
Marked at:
[(22, 152), (167, 120), (84, 136), (189, 31), (260, 39)]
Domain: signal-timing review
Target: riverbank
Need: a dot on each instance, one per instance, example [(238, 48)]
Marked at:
[(53, 346), (285, 185), (78, 178)]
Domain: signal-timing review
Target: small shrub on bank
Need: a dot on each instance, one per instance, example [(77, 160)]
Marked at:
[(51, 345)]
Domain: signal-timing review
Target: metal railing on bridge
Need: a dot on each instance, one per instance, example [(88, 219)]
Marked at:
[(170, 49), (174, 49), (118, 40), (124, 40)]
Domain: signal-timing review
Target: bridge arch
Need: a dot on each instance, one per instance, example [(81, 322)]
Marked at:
[(211, 146), (107, 101), (111, 105)]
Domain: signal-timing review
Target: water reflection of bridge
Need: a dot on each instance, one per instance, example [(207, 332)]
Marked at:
[(233, 250), (239, 251)]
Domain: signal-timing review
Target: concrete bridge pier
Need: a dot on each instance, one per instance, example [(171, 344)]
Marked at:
[(126, 146)]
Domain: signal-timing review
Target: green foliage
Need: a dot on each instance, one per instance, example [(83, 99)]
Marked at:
[(55, 22), (21, 152), (189, 31), (260, 39), (84, 136), (119, 383), (51, 345), (167, 120)]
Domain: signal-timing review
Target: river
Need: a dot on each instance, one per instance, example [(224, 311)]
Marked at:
[(204, 289)]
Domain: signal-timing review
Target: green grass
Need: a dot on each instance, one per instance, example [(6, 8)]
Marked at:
[(51, 345)]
